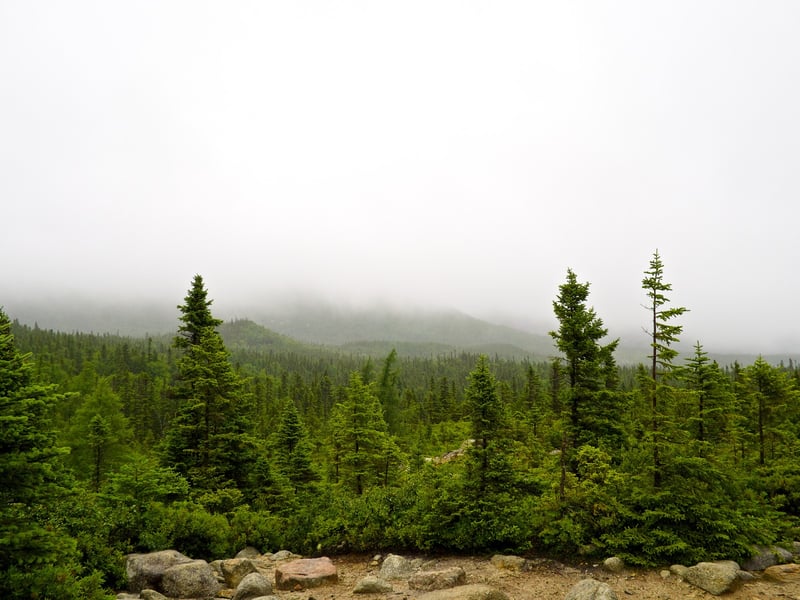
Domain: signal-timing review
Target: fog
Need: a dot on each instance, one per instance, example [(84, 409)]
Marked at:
[(414, 154)]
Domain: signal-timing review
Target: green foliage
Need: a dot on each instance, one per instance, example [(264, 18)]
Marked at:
[(364, 452)]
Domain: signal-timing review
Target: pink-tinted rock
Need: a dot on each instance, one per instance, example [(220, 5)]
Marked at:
[(305, 573), (788, 573)]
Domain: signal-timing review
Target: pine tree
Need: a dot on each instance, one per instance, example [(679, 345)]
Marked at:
[(662, 336), (292, 450), (195, 315), (36, 559), (208, 441), (594, 416), (489, 468), (364, 452)]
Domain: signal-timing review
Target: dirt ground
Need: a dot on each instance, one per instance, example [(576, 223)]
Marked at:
[(546, 580)]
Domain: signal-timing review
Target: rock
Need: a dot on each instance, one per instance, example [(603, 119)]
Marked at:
[(398, 567), (510, 562), (714, 577), (475, 591), (766, 556), (305, 573), (372, 585), (789, 573), (253, 585), (679, 570), (284, 555), (194, 579), (127, 596), (151, 595), (664, 574), (234, 570), (614, 564), (437, 580), (590, 589), (145, 571), (796, 549), (248, 552)]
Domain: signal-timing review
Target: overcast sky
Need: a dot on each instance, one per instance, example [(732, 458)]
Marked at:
[(446, 154)]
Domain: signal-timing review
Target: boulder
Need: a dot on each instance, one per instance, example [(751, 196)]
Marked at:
[(284, 555), (305, 573), (235, 569), (510, 562), (437, 580), (614, 564), (766, 556), (714, 577), (590, 589), (679, 570), (194, 579), (372, 585), (151, 595), (248, 552), (145, 571), (398, 567), (475, 591), (253, 585), (789, 573)]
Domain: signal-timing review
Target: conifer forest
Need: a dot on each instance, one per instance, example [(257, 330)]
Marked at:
[(206, 441)]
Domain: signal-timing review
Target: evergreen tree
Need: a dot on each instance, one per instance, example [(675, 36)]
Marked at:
[(594, 416), (662, 335), (293, 453), (208, 441), (364, 453), (195, 315), (489, 467), (36, 558)]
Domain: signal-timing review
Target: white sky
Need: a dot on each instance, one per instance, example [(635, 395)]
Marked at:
[(450, 154)]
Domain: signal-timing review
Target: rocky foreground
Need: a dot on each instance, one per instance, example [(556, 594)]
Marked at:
[(772, 574)]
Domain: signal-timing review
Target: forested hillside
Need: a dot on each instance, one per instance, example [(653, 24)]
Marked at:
[(227, 434)]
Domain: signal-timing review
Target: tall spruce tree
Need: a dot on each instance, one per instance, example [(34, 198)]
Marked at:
[(594, 407), (208, 441), (292, 450), (488, 466), (662, 335), (195, 315), (37, 560), (364, 452)]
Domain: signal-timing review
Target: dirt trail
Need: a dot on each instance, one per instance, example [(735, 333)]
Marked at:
[(547, 581)]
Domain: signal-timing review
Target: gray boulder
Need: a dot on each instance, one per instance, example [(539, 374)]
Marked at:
[(590, 589), (614, 564), (437, 580), (510, 562), (151, 595), (253, 585), (234, 570), (475, 591), (248, 552), (398, 567), (372, 585), (195, 579), (767, 556), (714, 577), (145, 571)]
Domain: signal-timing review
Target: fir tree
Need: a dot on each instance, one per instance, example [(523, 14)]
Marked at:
[(590, 368), (662, 335), (36, 559)]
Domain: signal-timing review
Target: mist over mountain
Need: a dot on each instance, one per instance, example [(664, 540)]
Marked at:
[(370, 330)]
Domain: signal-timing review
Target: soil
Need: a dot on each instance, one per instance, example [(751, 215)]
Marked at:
[(546, 580)]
